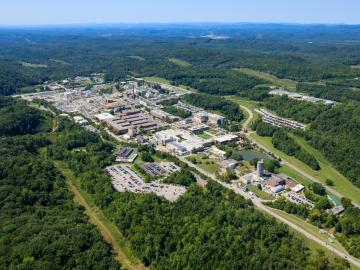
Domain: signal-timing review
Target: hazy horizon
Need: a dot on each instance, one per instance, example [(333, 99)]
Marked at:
[(82, 12)]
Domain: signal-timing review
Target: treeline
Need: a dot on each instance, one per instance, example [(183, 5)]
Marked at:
[(330, 91), (177, 111), (282, 141), (212, 80), (301, 111), (336, 134), (40, 225), (230, 109), (18, 119)]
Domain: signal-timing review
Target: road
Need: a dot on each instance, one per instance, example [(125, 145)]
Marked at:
[(285, 162), (250, 118), (258, 204)]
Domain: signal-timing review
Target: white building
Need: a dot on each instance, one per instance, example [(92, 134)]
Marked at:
[(181, 141), (103, 116), (226, 138)]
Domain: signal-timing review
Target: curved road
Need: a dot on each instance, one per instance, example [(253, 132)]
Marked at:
[(312, 178)]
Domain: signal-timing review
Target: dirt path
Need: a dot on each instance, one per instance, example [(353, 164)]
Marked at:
[(93, 213)]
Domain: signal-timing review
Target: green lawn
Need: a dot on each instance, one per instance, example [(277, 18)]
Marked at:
[(342, 185), (208, 164), (136, 57), (179, 62), (157, 80), (287, 83), (31, 65), (205, 135), (29, 89), (262, 194), (60, 62)]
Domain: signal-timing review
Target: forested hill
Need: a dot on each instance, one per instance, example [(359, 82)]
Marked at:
[(40, 225), (329, 54)]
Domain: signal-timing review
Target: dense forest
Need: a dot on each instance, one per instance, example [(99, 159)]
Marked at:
[(230, 109), (40, 225)]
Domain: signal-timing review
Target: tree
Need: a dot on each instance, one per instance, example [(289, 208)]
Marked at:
[(346, 202), (318, 189), (329, 182), (271, 165), (323, 203), (146, 156)]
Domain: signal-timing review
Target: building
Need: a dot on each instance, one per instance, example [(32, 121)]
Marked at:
[(103, 116), (80, 120), (275, 120), (276, 184), (216, 119), (126, 154), (181, 141), (297, 188), (163, 115), (201, 117), (198, 129), (229, 163), (216, 151), (260, 168), (131, 120), (226, 138)]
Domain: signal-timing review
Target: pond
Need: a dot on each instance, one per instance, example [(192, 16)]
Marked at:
[(251, 154)]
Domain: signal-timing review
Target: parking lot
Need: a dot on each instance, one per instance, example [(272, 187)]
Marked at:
[(126, 179)]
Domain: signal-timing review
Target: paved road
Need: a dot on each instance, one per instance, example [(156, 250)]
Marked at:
[(250, 118), (258, 204), (312, 178)]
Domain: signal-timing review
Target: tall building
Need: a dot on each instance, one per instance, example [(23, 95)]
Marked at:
[(260, 168)]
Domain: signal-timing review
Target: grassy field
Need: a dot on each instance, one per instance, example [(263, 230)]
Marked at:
[(165, 81), (208, 164), (136, 57), (342, 185), (287, 83), (262, 194), (31, 65), (157, 80), (327, 171), (108, 229), (179, 62), (60, 62), (29, 89), (205, 135)]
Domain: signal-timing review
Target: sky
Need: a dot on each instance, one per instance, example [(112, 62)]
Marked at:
[(44, 12)]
